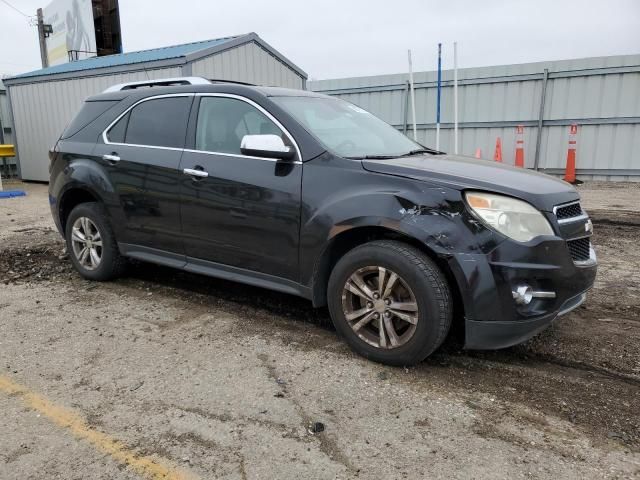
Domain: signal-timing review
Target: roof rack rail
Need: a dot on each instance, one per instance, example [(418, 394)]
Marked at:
[(160, 82), (220, 80)]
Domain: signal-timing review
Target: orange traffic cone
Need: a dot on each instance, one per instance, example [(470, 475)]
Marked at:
[(478, 153), (497, 156), (519, 146), (570, 170)]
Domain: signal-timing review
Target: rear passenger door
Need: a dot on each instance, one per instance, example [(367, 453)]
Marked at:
[(240, 210), (141, 152)]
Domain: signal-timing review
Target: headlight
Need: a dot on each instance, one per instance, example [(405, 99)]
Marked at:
[(511, 217)]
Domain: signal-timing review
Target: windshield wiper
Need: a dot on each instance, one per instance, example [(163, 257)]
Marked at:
[(373, 157), (418, 151)]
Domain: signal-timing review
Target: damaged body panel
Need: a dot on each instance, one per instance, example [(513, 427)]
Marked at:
[(422, 198), (284, 188)]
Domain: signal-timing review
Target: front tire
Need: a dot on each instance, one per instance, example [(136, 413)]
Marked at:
[(390, 302), (91, 243)]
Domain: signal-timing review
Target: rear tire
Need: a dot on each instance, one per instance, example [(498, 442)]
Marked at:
[(398, 289), (91, 243)]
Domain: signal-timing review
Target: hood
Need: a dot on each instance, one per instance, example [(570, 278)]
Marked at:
[(460, 173)]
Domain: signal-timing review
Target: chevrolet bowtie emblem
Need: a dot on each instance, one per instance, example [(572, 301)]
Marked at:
[(588, 227)]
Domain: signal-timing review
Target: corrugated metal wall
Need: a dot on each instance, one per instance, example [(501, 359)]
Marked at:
[(247, 63), (6, 127), (5, 118), (601, 95), (41, 111)]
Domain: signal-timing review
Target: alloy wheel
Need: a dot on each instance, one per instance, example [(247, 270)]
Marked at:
[(380, 307), (86, 242)]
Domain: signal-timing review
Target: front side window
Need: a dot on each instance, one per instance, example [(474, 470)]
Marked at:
[(161, 122), (222, 122), (346, 129)]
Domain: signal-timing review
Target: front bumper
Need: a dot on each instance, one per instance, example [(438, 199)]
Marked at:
[(492, 318), (493, 335)]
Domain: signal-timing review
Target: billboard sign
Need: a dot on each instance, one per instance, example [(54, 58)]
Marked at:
[(73, 36)]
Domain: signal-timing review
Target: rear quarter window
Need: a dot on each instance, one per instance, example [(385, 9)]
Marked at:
[(117, 132), (87, 114), (160, 122)]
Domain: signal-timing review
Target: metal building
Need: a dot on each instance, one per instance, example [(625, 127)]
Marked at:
[(601, 95), (44, 101), (6, 132)]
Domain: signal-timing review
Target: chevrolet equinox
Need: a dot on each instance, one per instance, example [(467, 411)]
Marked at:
[(313, 196)]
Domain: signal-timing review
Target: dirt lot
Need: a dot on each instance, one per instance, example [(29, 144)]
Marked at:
[(164, 374)]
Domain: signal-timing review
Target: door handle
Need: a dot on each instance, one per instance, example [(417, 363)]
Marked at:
[(113, 158), (194, 172)]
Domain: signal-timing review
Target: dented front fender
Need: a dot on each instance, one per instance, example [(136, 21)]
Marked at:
[(343, 196)]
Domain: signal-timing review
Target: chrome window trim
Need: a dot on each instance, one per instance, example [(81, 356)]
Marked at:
[(206, 152), (105, 139), (157, 147), (265, 113)]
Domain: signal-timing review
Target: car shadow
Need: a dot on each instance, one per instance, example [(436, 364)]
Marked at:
[(291, 307)]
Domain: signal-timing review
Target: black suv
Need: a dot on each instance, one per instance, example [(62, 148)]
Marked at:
[(313, 196)]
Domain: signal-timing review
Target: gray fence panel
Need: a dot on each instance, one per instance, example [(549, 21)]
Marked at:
[(601, 95)]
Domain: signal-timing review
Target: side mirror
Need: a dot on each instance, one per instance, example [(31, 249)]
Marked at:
[(267, 146)]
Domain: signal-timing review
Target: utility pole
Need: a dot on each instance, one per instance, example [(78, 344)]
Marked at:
[(41, 38)]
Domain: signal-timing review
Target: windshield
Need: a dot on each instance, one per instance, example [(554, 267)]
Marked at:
[(347, 130)]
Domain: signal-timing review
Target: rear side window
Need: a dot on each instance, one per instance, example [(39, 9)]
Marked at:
[(160, 122), (87, 114)]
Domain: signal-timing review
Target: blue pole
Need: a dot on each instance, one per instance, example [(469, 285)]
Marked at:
[(438, 100), (439, 80)]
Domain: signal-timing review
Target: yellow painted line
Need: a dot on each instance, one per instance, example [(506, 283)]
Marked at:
[(142, 465)]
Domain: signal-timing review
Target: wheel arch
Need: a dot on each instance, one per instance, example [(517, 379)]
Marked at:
[(71, 198), (81, 180), (347, 240)]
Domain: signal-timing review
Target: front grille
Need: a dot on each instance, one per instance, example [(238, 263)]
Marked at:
[(579, 249), (568, 211)]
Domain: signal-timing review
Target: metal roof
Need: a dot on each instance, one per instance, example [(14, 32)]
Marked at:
[(142, 56), (148, 59)]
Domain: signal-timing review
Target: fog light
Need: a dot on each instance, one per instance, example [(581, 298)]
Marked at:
[(523, 294)]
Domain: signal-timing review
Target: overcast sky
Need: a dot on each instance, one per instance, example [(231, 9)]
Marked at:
[(331, 39)]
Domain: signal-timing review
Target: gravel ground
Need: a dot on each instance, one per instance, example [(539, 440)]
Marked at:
[(213, 379)]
